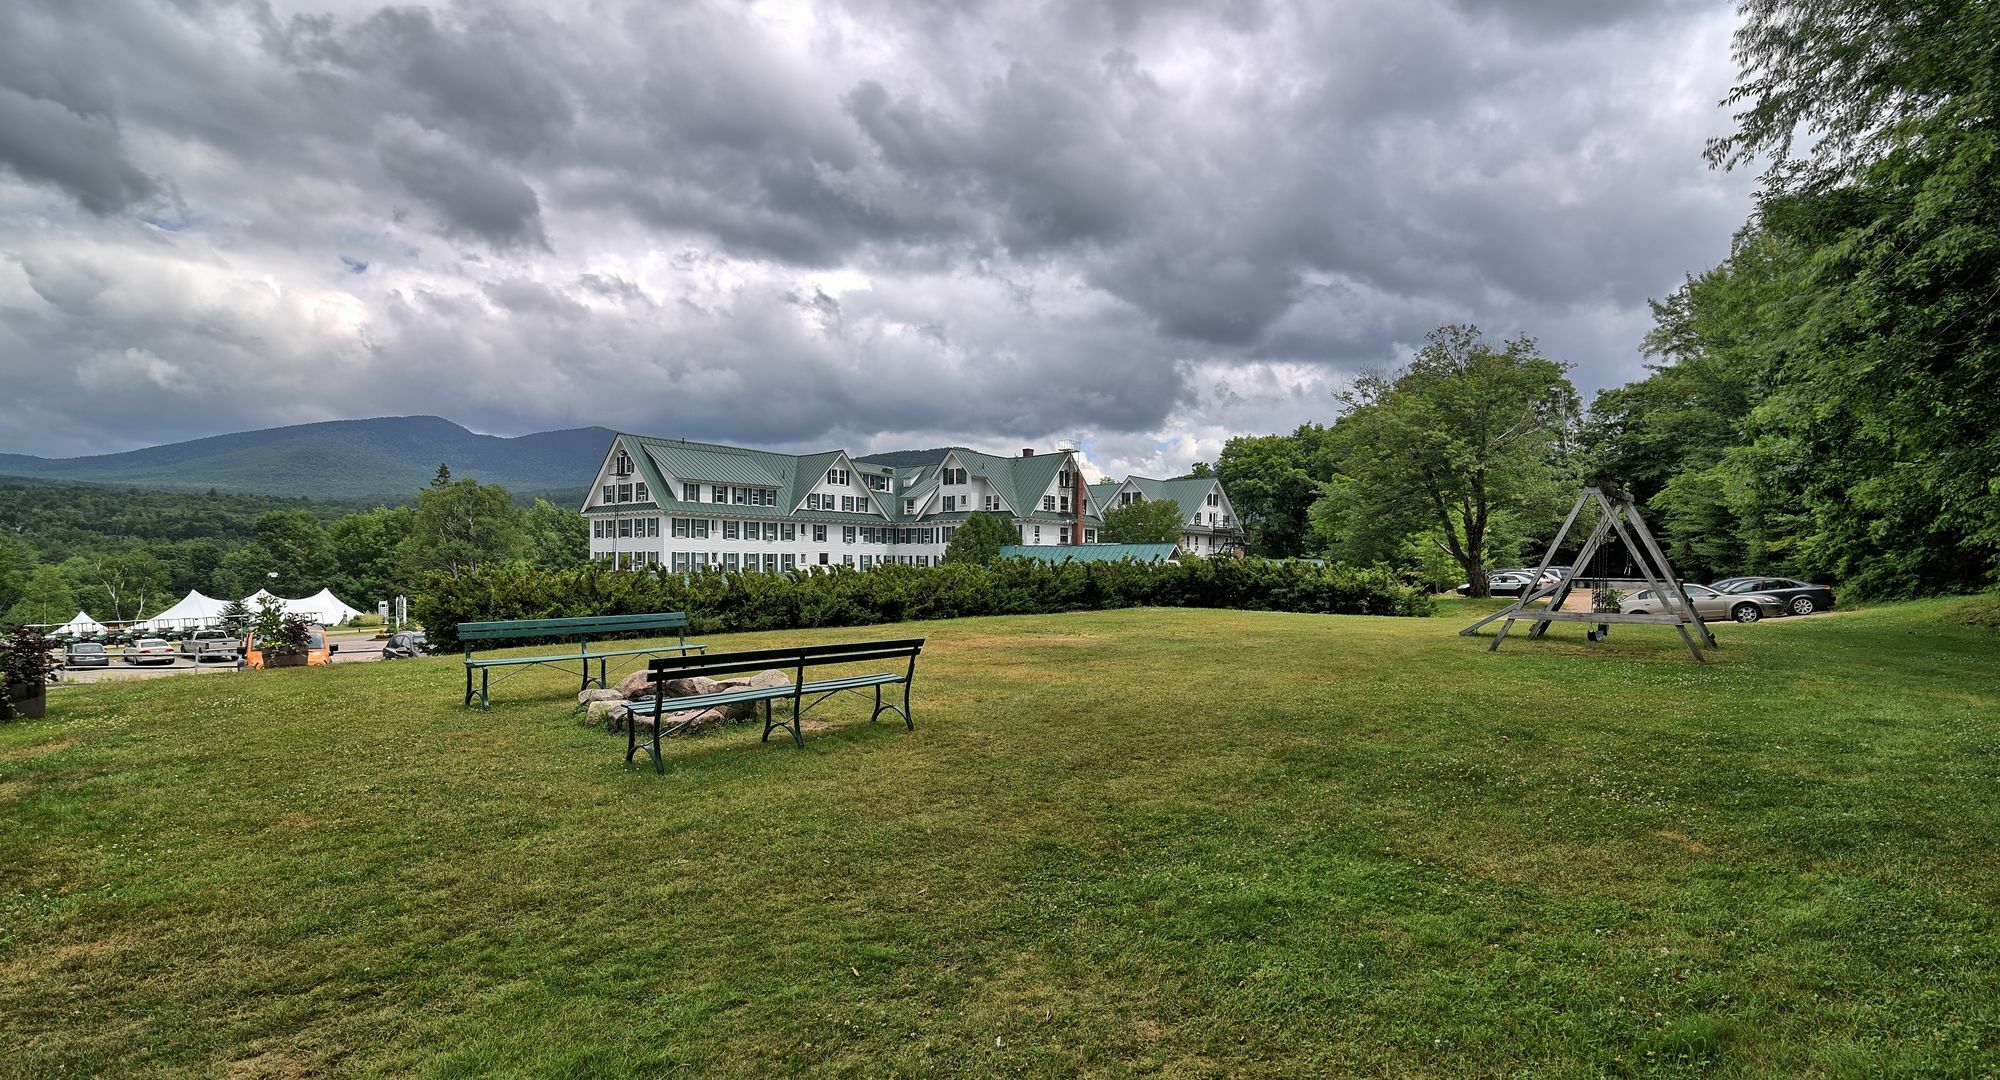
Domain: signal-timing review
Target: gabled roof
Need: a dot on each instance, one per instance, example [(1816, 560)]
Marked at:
[(1190, 494)]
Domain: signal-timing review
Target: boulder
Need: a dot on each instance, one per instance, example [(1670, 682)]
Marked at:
[(685, 722), (584, 699), (637, 684), (747, 710), (611, 714), (690, 687)]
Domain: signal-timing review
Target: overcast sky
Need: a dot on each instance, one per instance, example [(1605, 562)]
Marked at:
[(1139, 225)]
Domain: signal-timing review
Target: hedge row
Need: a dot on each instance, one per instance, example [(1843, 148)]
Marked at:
[(723, 602)]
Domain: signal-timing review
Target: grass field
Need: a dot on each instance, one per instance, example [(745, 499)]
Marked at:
[(1157, 841)]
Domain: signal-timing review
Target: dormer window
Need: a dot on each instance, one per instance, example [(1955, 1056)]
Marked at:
[(622, 464), (1065, 479), (838, 477), (643, 493)]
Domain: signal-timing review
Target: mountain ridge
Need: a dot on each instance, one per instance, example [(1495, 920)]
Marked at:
[(383, 457)]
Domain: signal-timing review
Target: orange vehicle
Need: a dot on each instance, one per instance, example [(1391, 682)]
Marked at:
[(319, 652)]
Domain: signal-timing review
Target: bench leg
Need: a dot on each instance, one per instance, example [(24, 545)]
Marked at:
[(468, 684), (795, 727), (485, 699), (890, 706)]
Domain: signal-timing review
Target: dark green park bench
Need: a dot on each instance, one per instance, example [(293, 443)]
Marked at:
[(798, 661), (581, 629)]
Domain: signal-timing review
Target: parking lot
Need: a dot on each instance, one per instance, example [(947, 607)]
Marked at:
[(355, 648)]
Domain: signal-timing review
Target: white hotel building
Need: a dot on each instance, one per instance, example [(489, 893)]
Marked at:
[(680, 504)]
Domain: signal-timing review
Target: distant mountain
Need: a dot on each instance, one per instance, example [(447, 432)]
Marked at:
[(388, 458)]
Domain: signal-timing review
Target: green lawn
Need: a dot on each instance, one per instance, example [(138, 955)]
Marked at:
[(1158, 841)]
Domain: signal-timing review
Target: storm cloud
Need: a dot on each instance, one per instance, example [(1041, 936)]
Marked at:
[(1139, 226)]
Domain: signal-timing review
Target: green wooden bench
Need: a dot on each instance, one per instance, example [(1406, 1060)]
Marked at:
[(798, 661), (627, 626)]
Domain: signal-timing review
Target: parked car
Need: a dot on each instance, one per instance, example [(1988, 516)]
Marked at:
[(318, 651), (1800, 598), (405, 645), (150, 650), (86, 654), (202, 645), (1708, 604), (1509, 582)]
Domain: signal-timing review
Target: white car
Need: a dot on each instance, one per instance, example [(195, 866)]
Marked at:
[(150, 650), (1708, 604)]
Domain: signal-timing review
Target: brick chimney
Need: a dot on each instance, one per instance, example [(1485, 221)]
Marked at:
[(1027, 451), (1076, 499)]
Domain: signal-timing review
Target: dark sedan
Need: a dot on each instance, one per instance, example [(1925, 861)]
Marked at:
[(405, 645), (1799, 597)]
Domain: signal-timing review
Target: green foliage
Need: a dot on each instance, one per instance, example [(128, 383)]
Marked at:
[(1273, 481), (46, 598), (13, 571), (1828, 409), (720, 602), (118, 585), (365, 551), (978, 541), (460, 525), (558, 539), (236, 616), (1142, 522), (1469, 441)]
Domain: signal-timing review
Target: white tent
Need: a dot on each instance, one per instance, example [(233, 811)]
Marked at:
[(323, 607), (77, 627), (193, 610)]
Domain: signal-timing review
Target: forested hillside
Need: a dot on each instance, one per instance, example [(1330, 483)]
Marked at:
[(385, 458)]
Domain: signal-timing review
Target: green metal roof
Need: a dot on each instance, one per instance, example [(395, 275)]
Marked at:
[(1090, 552), (1190, 494)]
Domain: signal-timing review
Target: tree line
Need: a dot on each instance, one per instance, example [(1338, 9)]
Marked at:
[(1823, 404), (123, 555)]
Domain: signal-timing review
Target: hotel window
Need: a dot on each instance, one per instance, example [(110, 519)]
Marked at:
[(1048, 502), (819, 534), (770, 496), (838, 477), (1063, 504), (622, 464), (791, 561), (771, 531), (992, 502), (788, 531), (770, 564), (718, 493), (867, 561), (729, 529), (624, 493), (1064, 479), (698, 528), (822, 558), (1065, 536), (1127, 498), (680, 562), (597, 530), (610, 494), (1214, 499), (692, 493), (1038, 534), (645, 493), (1090, 536), (909, 506), (847, 534), (729, 560), (680, 526), (878, 483), (624, 528), (652, 527)]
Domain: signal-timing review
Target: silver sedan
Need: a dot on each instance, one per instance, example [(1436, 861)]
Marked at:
[(1708, 604)]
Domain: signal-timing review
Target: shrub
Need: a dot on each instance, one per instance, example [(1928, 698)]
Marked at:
[(720, 601)]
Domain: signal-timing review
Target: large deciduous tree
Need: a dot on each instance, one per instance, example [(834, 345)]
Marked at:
[(1465, 436), (460, 524), (980, 539), (1147, 521), (1272, 481), (558, 539), (45, 598)]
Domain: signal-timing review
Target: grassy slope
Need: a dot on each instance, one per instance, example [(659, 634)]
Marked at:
[(1179, 841)]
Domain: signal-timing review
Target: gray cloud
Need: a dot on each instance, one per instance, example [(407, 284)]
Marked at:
[(1141, 226)]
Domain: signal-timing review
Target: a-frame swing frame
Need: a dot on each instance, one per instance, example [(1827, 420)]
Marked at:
[(1617, 514)]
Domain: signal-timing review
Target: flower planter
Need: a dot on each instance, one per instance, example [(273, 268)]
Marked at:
[(27, 701)]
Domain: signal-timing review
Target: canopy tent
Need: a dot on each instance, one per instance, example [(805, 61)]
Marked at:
[(79, 626), (322, 607), (193, 610)]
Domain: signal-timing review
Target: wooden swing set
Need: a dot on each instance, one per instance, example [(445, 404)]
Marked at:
[(1617, 514)]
